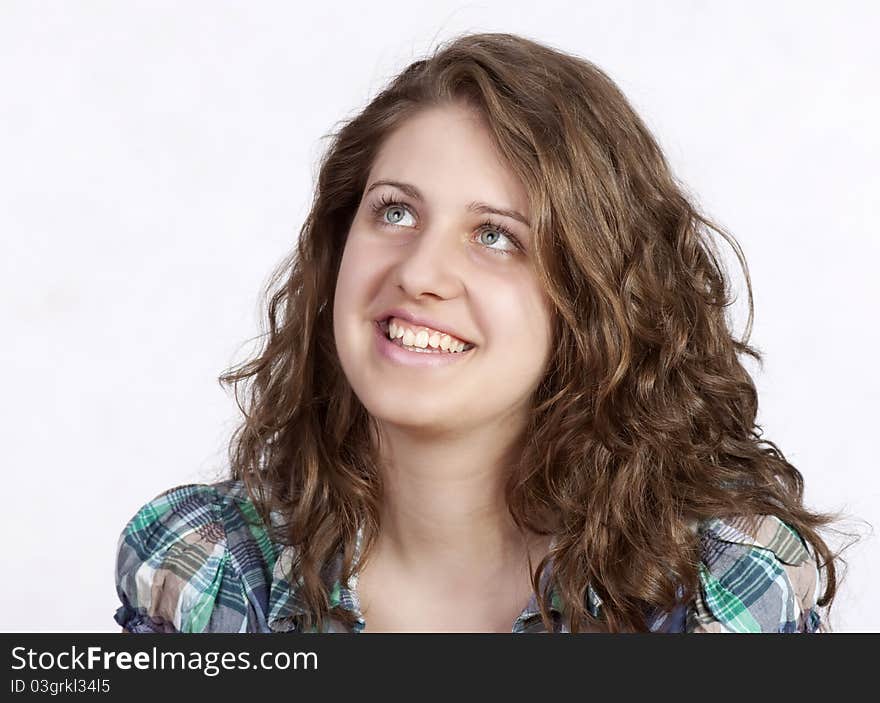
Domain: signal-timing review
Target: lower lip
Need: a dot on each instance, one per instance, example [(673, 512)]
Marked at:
[(399, 355)]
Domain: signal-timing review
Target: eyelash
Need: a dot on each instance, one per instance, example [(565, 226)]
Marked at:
[(386, 202)]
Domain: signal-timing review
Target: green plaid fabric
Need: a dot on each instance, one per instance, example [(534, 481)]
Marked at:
[(197, 558)]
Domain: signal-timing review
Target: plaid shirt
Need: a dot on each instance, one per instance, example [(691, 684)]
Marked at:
[(197, 558)]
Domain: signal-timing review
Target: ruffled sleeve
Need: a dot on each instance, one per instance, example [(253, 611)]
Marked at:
[(174, 571), (756, 575)]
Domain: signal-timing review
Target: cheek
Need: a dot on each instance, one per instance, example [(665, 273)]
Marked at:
[(517, 313), (525, 327), (346, 303), (351, 280), (341, 293)]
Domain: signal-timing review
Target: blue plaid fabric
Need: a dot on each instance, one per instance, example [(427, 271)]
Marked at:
[(197, 558)]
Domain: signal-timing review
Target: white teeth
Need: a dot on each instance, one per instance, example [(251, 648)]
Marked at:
[(423, 339), (394, 331)]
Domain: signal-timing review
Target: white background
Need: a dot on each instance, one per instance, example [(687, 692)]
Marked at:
[(157, 159)]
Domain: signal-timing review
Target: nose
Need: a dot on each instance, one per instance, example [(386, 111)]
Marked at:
[(430, 263)]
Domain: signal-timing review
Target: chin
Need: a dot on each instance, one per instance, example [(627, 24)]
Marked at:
[(402, 412)]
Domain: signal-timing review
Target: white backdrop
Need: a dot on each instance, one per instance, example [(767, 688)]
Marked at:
[(156, 162)]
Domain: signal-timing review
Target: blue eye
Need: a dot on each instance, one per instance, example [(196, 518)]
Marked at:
[(397, 208), (498, 230), (387, 205)]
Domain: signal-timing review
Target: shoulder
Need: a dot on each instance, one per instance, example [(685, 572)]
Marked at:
[(196, 558), (756, 574)]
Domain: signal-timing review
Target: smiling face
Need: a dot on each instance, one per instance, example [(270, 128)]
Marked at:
[(423, 247)]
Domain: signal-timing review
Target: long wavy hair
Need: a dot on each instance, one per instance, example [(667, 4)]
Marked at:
[(644, 423)]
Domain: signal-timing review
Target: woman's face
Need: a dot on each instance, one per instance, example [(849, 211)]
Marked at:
[(432, 256)]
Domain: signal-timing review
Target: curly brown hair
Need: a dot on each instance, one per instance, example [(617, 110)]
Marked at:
[(644, 423)]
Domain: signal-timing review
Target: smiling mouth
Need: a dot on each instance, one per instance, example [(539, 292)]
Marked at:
[(442, 342)]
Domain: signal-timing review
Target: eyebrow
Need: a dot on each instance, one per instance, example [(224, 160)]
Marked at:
[(478, 207)]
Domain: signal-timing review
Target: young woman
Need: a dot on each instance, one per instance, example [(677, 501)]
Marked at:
[(498, 392)]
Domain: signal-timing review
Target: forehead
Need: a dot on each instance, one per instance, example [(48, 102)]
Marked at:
[(448, 154)]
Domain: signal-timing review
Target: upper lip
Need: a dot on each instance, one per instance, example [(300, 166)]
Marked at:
[(421, 321)]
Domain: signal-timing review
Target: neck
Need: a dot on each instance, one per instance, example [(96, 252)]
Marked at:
[(444, 508)]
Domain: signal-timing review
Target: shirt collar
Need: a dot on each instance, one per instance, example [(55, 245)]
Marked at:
[(287, 606), (286, 603)]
